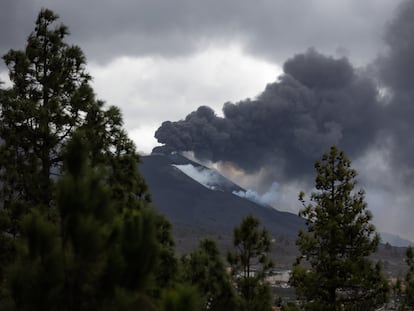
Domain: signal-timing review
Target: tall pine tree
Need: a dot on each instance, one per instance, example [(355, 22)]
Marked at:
[(50, 100), (249, 264), (334, 271), (49, 96)]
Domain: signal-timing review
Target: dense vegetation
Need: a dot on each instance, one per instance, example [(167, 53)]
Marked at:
[(78, 230)]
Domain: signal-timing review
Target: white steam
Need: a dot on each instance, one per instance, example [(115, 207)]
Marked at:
[(213, 180), (268, 198)]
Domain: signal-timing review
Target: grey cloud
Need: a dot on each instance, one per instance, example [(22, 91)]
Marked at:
[(16, 21), (14, 27), (272, 29), (107, 29), (397, 67)]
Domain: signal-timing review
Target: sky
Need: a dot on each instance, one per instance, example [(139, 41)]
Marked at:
[(278, 82)]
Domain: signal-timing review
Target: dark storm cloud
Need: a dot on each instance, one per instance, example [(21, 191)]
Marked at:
[(396, 72), (397, 67), (319, 101), (14, 24), (273, 29)]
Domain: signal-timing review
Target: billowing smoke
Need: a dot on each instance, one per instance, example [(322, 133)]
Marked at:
[(319, 101)]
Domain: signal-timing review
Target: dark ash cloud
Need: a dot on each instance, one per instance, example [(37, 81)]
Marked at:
[(319, 101), (315, 70), (396, 73)]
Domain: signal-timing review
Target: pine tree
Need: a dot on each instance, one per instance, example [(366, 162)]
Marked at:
[(35, 279), (50, 100), (337, 273), (204, 268), (95, 258), (49, 95), (409, 279), (181, 298), (249, 264)]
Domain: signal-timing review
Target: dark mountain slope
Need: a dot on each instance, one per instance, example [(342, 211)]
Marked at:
[(189, 204)]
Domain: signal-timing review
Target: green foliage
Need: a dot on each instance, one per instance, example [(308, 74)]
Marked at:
[(290, 306), (249, 263), (111, 147), (204, 268), (409, 279), (252, 248), (182, 298), (397, 295), (338, 274), (49, 94), (167, 264), (255, 294), (95, 258), (36, 277)]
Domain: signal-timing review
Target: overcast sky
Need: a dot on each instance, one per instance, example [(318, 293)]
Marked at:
[(160, 60)]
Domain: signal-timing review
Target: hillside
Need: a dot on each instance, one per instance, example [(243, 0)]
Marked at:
[(197, 210), (205, 205)]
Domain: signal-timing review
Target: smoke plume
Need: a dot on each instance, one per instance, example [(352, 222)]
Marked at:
[(317, 102)]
